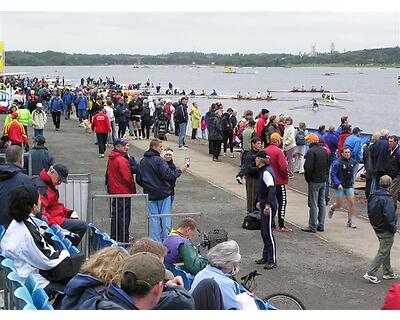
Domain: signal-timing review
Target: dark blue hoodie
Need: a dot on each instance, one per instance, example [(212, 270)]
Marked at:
[(382, 211), (155, 176), (11, 176), (83, 292)]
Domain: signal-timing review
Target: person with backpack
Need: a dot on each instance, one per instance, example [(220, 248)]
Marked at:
[(300, 150)]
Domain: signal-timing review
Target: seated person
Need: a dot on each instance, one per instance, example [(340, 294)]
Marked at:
[(142, 283), (181, 251), (84, 290), (25, 242), (223, 264), (174, 296), (52, 209), (208, 296)]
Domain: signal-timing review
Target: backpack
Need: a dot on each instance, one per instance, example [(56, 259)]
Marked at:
[(300, 138), (252, 221), (216, 236)]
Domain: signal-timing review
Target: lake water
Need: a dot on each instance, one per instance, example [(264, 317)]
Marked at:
[(374, 92)]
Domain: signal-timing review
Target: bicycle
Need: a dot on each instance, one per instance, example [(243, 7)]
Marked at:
[(281, 301)]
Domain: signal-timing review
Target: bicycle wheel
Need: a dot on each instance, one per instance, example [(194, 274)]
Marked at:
[(285, 301)]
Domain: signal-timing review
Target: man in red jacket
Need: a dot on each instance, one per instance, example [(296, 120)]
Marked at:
[(262, 121), (279, 165), (15, 131), (101, 126), (52, 209), (120, 169)]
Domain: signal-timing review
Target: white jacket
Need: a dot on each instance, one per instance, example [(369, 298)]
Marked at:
[(39, 119), (110, 113), (289, 138), (19, 245)]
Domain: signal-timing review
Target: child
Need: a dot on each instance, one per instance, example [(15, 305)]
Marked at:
[(168, 156), (203, 127)]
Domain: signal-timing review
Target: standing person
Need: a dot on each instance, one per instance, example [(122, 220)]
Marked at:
[(331, 140), (82, 105), (122, 116), (393, 167), (261, 123), (52, 209), (300, 149), (154, 178), (369, 170), (267, 204), (227, 131), (380, 152), (342, 176), (279, 165), (383, 218), (12, 175), (39, 120), (56, 106), (110, 114), (195, 118), (289, 144), (120, 167), (32, 99), (344, 121), (24, 117), (146, 120), (315, 168), (247, 136), (342, 138), (15, 131), (354, 143), (215, 134), (168, 156), (102, 127), (270, 128), (203, 127), (181, 119), (209, 113), (68, 98), (40, 155), (251, 173), (170, 110), (135, 107)]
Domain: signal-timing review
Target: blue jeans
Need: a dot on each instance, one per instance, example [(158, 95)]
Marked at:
[(160, 227), (316, 203), (130, 127), (67, 111), (182, 133), (112, 123), (37, 132), (76, 226), (81, 115)]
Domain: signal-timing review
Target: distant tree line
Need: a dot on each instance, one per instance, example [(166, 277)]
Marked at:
[(382, 56)]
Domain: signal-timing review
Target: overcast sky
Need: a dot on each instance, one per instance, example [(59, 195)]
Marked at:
[(222, 32)]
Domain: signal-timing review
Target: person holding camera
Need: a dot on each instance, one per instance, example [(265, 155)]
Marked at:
[(181, 251)]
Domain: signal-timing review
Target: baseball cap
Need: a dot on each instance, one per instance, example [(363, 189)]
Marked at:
[(146, 267), (312, 137), (357, 130), (39, 105), (252, 123), (62, 172), (262, 154), (264, 111), (39, 139), (275, 136), (120, 141)]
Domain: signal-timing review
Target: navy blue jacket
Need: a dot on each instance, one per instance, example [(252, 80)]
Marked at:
[(382, 211), (11, 176), (266, 195), (83, 292), (116, 299), (342, 172), (155, 176), (393, 166), (380, 152)]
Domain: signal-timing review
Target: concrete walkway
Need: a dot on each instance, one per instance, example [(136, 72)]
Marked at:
[(361, 241)]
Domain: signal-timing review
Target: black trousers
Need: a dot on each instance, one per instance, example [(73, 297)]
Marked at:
[(269, 250), (56, 119), (282, 201), (242, 171), (194, 133), (215, 148), (228, 138), (102, 140), (120, 219), (146, 126), (121, 128)]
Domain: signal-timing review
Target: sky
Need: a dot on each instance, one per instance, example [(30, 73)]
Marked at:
[(153, 32)]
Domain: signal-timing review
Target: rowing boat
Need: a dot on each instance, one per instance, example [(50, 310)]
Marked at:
[(309, 91), (242, 98)]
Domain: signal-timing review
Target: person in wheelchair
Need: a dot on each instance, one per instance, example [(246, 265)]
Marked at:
[(223, 260), (181, 251)]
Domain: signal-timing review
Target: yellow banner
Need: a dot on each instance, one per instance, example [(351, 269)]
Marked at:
[(2, 57)]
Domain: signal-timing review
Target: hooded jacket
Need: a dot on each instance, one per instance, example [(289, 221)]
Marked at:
[(16, 132), (52, 209), (278, 163), (175, 298), (214, 128), (316, 164), (120, 179), (101, 123), (380, 152), (342, 173), (155, 175), (39, 119), (82, 293), (393, 166), (382, 211), (115, 299), (41, 159), (11, 176)]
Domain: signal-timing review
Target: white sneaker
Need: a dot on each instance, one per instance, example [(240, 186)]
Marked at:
[(239, 180), (224, 155), (182, 148), (390, 276), (372, 279)]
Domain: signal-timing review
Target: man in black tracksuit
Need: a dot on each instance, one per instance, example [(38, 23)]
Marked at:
[(251, 174), (268, 204)]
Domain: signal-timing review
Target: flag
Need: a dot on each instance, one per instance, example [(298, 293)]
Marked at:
[(2, 57)]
